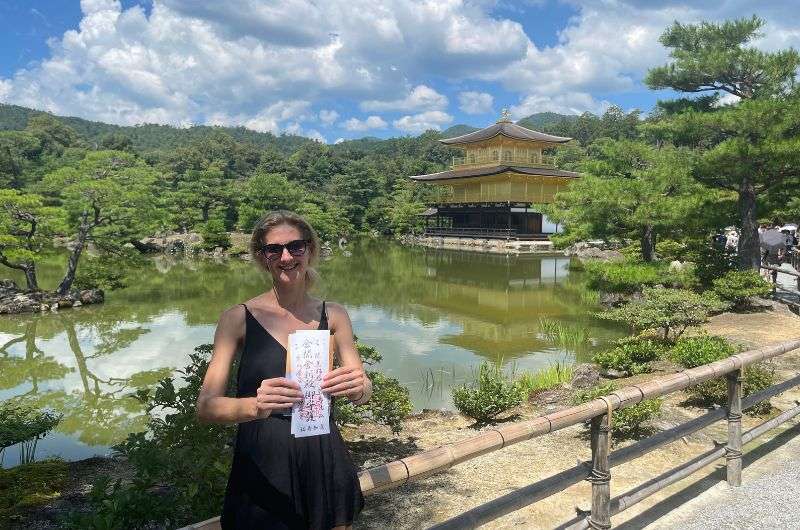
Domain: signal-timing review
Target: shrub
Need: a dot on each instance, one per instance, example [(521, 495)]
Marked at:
[(669, 250), (389, 405), (545, 379), (738, 287), (669, 310), (711, 262), (28, 486), (214, 235), (696, 351), (21, 424), (622, 277), (492, 393), (757, 377), (631, 355), (628, 422)]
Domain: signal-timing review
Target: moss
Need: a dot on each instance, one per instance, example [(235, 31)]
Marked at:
[(29, 486)]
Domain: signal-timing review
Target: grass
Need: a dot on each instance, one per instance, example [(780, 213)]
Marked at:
[(546, 378), (568, 337)]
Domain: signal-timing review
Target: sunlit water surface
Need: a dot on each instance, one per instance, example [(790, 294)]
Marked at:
[(433, 314)]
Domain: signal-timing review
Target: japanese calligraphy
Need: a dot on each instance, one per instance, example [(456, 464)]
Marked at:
[(309, 358)]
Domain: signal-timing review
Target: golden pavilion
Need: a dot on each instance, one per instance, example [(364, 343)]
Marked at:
[(496, 188)]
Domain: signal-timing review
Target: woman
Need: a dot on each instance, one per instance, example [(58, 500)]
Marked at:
[(277, 480)]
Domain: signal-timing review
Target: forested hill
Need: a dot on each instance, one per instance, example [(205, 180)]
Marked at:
[(150, 136)]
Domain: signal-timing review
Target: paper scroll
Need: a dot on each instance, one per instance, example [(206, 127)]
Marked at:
[(308, 359)]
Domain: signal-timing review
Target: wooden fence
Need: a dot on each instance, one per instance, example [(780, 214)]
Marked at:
[(600, 413)]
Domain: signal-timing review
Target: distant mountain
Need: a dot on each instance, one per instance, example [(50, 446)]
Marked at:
[(542, 120), (458, 130), (149, 136)]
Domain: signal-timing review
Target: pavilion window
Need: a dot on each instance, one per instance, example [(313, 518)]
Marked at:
[(495, 155), (472, 157), (506, 155)]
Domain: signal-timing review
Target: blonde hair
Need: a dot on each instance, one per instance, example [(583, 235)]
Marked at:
[(283, 217)]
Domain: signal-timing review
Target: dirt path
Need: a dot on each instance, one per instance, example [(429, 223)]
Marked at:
[(420, 504)]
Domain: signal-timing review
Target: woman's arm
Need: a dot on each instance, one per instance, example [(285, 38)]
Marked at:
[(212, 404), (349, 379)]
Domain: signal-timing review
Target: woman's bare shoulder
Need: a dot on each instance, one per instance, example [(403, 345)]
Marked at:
[(232, 319)]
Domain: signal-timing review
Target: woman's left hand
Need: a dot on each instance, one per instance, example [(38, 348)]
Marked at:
[(345, 381)]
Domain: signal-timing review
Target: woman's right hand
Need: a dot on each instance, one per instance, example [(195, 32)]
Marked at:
[(276, 394)]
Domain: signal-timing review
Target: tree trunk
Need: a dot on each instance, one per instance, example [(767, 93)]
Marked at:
[(749, 247), (30, 276), (648, 242), (72, 264)]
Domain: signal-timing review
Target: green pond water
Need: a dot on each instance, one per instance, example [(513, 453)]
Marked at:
[(435, 315)]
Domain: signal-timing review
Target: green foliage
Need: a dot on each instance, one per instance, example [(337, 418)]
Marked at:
[(670, 250), (757, 377), (490, 394), (29, 486), (669, 310), (713, 57), (214, 235), (632, 355), (389, 405), (109, 271), (710, 262), (21, 424), (629, 422), (738, 287), (629, 190), (27, 226), (690, 352), (180, 465), (623, 277), (544, 379), (263, 192)]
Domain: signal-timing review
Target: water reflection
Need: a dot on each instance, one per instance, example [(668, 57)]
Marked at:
[(433, 314)]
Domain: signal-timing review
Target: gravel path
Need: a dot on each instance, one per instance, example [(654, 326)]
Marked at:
[(769, 497)]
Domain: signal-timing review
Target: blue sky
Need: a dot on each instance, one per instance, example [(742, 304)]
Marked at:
[(345, 68)]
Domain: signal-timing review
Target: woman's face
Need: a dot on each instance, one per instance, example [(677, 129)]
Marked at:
[(286, 268)]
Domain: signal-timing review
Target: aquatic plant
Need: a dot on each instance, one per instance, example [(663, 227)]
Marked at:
[(545, 378)]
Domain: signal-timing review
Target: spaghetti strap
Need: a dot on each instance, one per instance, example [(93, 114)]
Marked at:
[(323, 318)]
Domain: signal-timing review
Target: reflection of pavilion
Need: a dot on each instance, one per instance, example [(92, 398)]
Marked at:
[(497, 299)]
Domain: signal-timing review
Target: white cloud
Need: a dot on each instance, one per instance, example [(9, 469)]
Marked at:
[(186, 62), (372, 122), (568, 103), (420, 98), (338, 140), (475, 102), (418, 123), (269, 118), (316, 135), (327, 117)]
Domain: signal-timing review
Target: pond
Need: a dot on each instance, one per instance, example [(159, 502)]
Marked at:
[(435, 315)]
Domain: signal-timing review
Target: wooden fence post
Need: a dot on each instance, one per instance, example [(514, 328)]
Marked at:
[(600, 476), (733, 450)]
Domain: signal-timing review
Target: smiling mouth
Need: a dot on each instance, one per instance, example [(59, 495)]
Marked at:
[(289, 267)]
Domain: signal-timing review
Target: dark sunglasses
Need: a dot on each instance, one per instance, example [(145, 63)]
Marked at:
[(273, 251)]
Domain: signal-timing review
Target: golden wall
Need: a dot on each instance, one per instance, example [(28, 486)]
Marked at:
[(504, 187)]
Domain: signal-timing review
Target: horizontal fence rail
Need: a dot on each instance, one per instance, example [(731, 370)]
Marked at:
[(426, 463)]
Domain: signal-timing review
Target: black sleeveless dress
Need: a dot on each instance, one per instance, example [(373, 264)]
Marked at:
[(278, 481)]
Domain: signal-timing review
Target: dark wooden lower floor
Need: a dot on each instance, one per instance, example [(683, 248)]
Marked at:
[(486, 220)]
